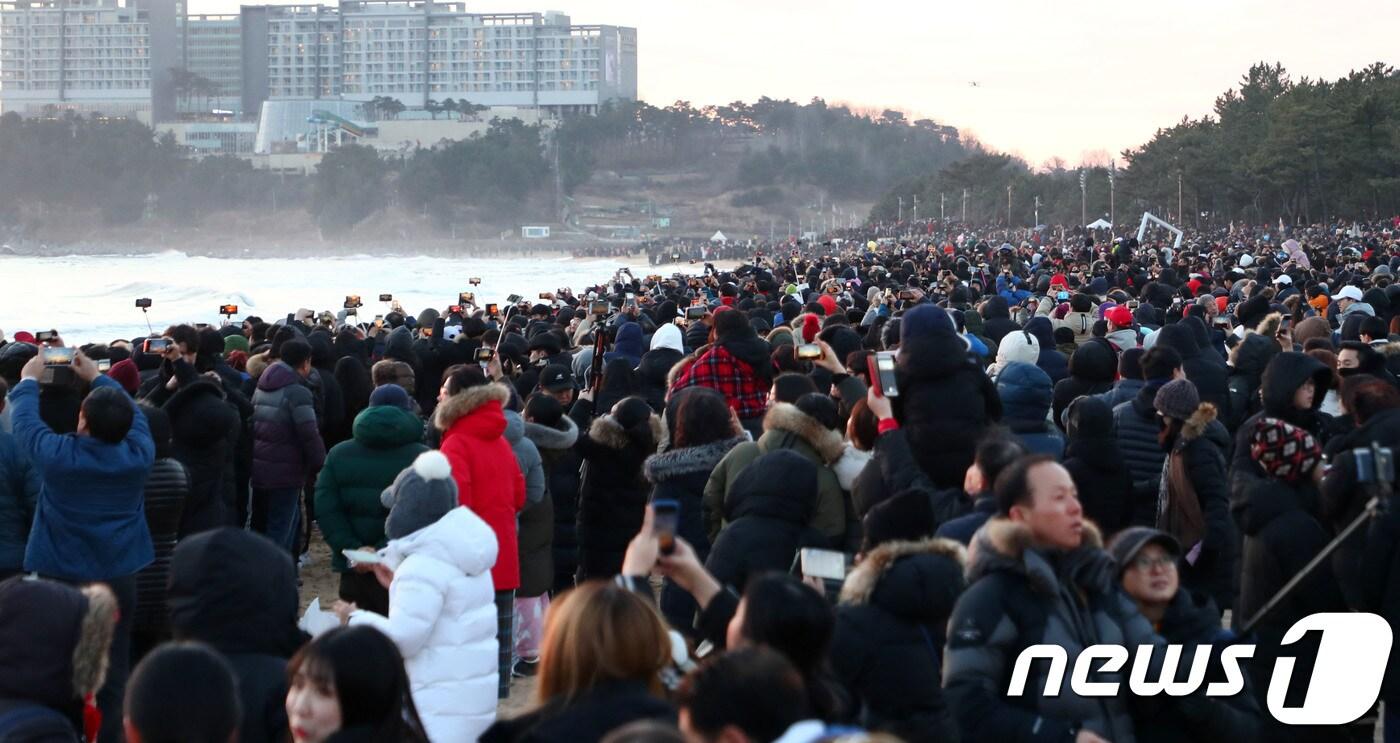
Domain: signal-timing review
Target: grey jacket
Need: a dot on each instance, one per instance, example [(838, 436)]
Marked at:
[(527, 455)]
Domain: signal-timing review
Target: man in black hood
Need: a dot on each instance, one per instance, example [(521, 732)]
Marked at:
[(236, 591)]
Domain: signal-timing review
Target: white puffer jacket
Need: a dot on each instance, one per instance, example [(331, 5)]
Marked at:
[(442, 615)]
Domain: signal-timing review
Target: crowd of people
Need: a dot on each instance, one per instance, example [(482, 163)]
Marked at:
[(829, 494)]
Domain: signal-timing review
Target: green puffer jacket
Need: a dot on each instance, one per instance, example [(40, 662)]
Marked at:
[(385, 440)]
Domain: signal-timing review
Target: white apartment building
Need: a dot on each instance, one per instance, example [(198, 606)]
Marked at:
[(86, 56), (214, 52)]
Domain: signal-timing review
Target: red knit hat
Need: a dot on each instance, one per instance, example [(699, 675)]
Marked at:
[(1283, 450), (811, 326), (828, 303), (126, 374)]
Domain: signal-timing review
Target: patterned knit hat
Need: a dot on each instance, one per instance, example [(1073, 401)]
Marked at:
[(1283, 450)]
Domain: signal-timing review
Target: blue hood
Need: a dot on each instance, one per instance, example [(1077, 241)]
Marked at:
[(1025, 391)]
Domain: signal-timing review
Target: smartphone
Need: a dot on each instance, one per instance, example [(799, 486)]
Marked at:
[(57, 355), (378, 320), (474, 281), (882, 377), (455, 309), (514, 299), (155, 345), (104, 365), (809, 352), (833, 289), (386, 297), (44, 336), (362, 557), (545, 295), (906, 294), (665, 517), (695, 311), (485, 354), (352, 301), (228, 310), (144, 302), (598, 308), (466, 298), (820, 563), (492, 310)]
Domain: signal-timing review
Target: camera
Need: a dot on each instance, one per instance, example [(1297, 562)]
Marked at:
[(228, 310), (485, 354), (144, 302), (474, 281), (466, 298), (810, 352), (386, 297), (352, 301)]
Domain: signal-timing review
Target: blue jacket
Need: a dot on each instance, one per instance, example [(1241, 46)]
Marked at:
[(1009, 290), (90, 523), (19, 492)]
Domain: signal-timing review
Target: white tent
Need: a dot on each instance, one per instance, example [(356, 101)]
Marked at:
[(718, 237), (1100, 224)]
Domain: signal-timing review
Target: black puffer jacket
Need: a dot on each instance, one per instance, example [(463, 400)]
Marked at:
[(1091, 371), (205, 432), (945, 403), (1193, 620), (561, 477), (680, 475), (1137, 426), (888, 646), (770, 506), (1202, 448), (1205, 370), (1018, 595), (167, 492), (1343, 498), (1094, 461), (1252, 357), (612, 494)]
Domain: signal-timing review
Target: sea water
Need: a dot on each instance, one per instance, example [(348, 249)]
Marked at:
[(92, 298)]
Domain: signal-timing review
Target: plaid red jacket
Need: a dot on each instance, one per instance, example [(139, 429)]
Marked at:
[(721, 371)]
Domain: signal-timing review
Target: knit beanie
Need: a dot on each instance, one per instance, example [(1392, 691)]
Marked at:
[(423, 493), (392, 395), (124, 373), (235, 343), (1283, 450), (1177, 399)]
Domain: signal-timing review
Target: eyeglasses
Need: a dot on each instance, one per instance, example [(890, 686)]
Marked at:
[(1148, 563)]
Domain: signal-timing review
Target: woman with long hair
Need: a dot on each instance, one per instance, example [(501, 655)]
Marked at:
[(601, 660), (349, 685)]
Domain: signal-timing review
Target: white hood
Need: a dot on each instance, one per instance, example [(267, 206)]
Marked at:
[(668, 336), (460, 539)]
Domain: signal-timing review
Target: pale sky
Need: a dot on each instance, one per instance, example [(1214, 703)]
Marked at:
[(1055, 78)]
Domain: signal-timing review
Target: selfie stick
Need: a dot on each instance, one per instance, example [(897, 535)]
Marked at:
[(1373, 508), (146, 313)]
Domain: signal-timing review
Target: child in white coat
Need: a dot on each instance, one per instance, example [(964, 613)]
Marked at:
[(442, 610)]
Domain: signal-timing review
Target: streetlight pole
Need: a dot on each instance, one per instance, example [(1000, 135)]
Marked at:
[(916, 207), (964, 214), (1083, 198), (941, 199), (901, 209), (1008, 207), (1179, 212), (1037, 212), (1112, 170)]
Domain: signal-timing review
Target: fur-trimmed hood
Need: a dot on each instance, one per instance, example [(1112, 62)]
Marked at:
[(1390, 349), (608, 432), (1195, 426), (688, 460), (54, 641), (554, 439), (919, 581), (1003, 545), (459, 405), (785, 417)]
